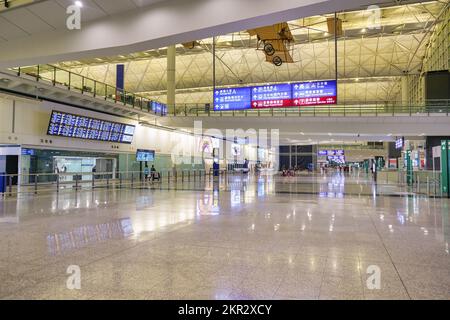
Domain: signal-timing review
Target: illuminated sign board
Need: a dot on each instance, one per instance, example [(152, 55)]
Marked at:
[(145, 155), (232, 99), (337, 159), (314, 93), (331, 153), (158, 108), (75, 126), (281, 95), (272, 96)]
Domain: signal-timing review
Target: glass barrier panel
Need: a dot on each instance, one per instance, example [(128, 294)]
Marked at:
[(76, 82), (30, 71), (111, 93), (62, 77), (100, 90), (89, 86), (46, 73)]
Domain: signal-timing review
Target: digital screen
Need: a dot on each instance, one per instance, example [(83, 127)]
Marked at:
[(331, 153), (276, 96), (158, 108), (314, 93), (399, 143), (337, 159), (272, 96), (75, 126), (232, 99), (28, 152), (145, 155)]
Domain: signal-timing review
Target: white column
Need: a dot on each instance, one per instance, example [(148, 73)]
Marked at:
[(405, 90), (171, 63)]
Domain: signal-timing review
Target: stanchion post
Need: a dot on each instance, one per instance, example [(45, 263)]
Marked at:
[(10, 186)]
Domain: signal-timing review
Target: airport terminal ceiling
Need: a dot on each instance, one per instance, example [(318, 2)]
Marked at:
[(371, 60)]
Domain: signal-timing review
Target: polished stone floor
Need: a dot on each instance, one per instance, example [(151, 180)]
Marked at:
[(240, 238)]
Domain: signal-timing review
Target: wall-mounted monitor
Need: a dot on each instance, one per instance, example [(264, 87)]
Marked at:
[(81, 127), (145, 155)]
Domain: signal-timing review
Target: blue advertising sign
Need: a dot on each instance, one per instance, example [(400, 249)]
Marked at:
[(314, 93), (232, 99), (272, 96)]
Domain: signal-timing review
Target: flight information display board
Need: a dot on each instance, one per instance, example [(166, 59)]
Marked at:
[(75, 126), (272, 96), (314, 93), (158, 108), (232, 99)]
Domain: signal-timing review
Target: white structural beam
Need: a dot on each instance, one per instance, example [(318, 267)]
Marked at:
[(159, 25)]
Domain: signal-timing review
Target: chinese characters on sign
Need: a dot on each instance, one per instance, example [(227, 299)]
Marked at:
[(314, 93), (276, 96), (232, 99)]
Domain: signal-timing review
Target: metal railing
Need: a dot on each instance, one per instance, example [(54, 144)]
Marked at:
[(423, 182), (38, 183), (87, 86), (347, 108)]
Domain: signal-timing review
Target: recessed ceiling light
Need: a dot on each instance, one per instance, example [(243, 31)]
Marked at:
[(79, 4), (364, 30), (302, 133)]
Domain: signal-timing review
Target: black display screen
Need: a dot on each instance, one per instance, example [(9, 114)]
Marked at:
[(75, 126)]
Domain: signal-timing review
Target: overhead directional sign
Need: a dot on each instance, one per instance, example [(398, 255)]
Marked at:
[(314, 93), (272, 96), (232, 99), (281, 95), (331, 153)]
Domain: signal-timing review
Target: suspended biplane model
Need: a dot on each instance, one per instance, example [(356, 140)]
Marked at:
[(276, 41)]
